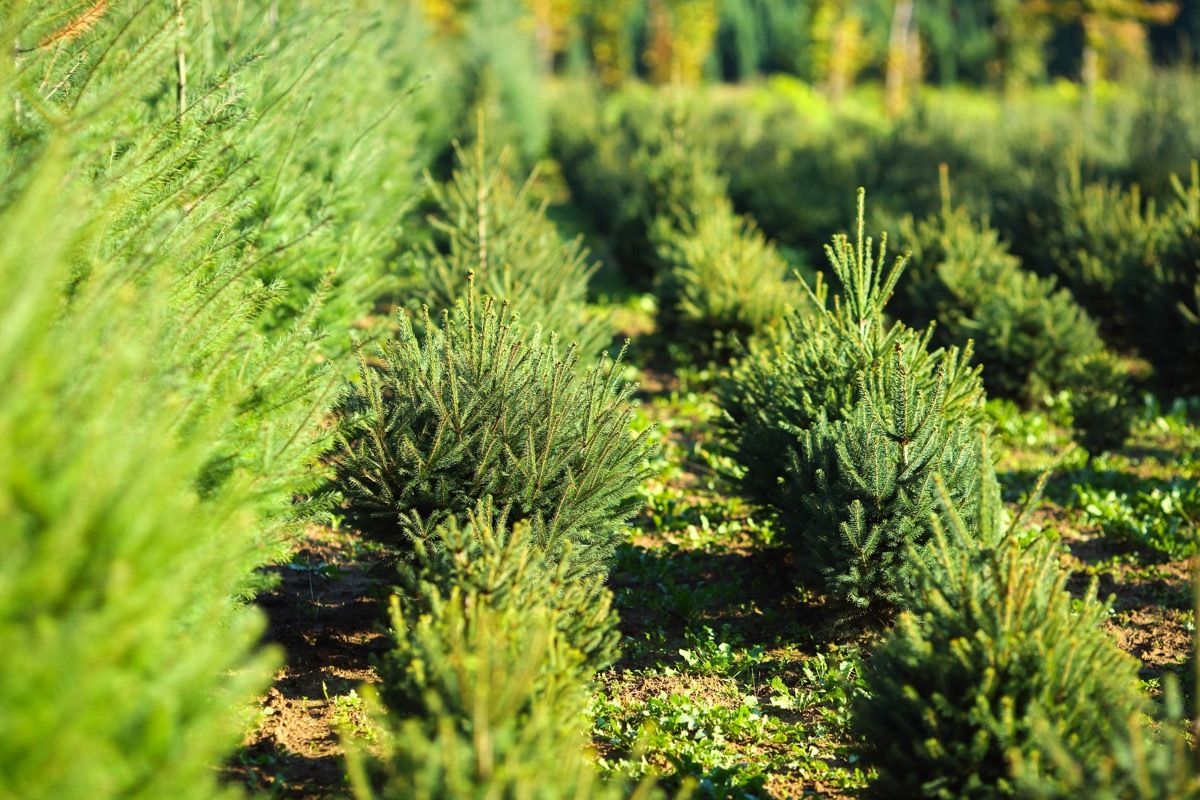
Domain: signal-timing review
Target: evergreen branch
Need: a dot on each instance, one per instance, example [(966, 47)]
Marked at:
[(250, 265), (111, 47)]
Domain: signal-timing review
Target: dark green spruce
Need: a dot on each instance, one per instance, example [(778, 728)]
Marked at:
[(811, 371), (859, 503), (993, 652), (476, 408)]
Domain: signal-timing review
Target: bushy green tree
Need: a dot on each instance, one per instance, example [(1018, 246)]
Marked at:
[(784, 388), (722, 280), (993, 647), (475, 408), (1102, 410), (1133, 262), (486, 682), (504, 567), (490, 229), (125, 657), (1026, 330), (497, 722), (1168, 309), (1100, 237), (859, 502)]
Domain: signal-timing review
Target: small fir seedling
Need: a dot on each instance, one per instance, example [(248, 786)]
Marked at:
[(993, 646), (494, 240), (1101, 409), (477, 408), (502, 714), (783, 388), (485, 684), (722, 280), (859, 503)]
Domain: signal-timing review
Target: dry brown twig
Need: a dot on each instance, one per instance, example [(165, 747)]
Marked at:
[(77, 26)]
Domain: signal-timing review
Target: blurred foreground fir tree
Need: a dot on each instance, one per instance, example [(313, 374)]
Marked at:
[(165, 381)]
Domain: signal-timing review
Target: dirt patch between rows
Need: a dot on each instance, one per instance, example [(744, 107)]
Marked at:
[(326, 616)]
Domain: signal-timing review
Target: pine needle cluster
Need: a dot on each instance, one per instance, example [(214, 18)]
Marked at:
[(124, 650), (486, 565), (499, 565), (477, 408), (336, 151), (1148, 758)]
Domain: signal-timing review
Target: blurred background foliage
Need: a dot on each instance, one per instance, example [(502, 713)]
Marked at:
[(836, 43), (1070, 126)]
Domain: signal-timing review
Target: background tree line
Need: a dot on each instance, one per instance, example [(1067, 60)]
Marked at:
[(833, 43)]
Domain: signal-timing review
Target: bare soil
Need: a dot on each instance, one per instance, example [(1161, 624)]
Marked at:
[(325, 615)]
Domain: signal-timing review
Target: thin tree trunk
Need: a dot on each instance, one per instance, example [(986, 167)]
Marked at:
[(899, 56)]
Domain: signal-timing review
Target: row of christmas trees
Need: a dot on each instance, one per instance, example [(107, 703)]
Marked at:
[(992, 681), (190, 194), (192, 236), (868, 443)]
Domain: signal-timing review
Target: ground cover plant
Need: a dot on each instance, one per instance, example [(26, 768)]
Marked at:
[(712, 512)]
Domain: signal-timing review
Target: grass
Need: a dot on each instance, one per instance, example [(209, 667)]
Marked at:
[(727, 681)]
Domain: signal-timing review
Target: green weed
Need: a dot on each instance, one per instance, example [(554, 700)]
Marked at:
[(713, 654), (350, 715), (1162, 519)]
